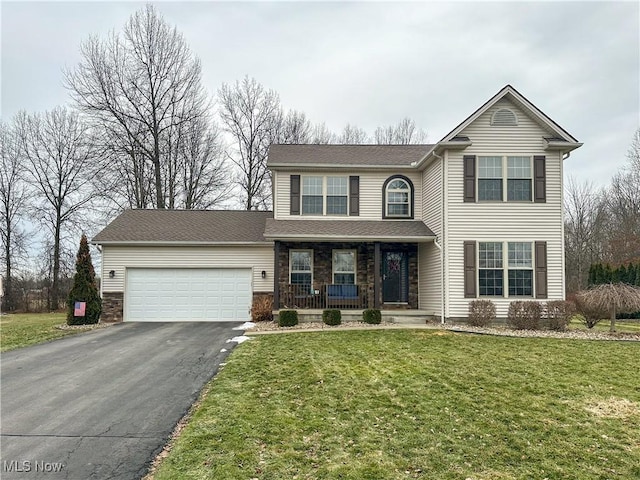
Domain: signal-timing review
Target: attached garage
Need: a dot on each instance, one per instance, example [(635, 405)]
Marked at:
[(187, 294), (184, 265)]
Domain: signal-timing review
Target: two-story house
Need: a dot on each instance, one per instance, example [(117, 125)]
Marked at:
[(416, 230)]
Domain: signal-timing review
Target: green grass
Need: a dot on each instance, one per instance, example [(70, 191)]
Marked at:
[(622, 326), (23, 329), (416, 404)]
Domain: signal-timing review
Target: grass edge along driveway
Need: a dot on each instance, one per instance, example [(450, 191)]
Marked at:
[(416, 404), (19, 330)]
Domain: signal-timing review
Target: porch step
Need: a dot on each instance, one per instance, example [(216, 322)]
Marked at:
[(402, 317)]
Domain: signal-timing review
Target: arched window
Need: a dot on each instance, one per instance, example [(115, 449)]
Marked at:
[(398, 197)]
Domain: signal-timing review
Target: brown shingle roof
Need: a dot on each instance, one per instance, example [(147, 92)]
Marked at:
[(389, 230), (357, 155), (185, 226)]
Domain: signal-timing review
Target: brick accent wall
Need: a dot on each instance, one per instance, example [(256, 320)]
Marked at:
[(322, 264), (112, 307)]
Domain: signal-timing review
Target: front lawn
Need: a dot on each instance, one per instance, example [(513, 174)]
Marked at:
[(23, 329), (401, 404)]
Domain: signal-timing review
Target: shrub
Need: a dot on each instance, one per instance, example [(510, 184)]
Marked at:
[(481, 313), (589, 315), (559, 314), (332, 317), (287, 318), (262, 309), (524, 315), (84, 289), (372, 316)]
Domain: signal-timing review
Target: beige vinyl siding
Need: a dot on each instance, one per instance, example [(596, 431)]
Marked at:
[(118, 258), (503, 221), (430, 277), (371, 197)]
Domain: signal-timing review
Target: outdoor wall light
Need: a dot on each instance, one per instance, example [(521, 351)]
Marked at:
[(112, 273), (264, 274)]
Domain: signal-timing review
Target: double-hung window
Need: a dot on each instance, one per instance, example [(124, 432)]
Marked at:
[(324, 195), (301, 267), (519, 179), (518, 266), (520, 269), (489, 178), (337, 195), (490, 269), (492, 183), (312, 198), (344, 267)]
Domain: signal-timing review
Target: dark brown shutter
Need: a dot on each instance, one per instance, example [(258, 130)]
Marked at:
[(541, 270), (469, 178), (470, 269), (295, 195), (354, 196), (540, 179)]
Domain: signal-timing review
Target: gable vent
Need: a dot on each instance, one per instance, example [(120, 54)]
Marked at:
[(504, 118)]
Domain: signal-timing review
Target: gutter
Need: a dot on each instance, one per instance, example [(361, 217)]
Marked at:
[(306, 236), (160, 243)]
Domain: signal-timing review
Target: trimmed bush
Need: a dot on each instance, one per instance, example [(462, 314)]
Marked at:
[(559, 314), (262, 309), (287, 318), (481, 313), (372, 316), (524, 315), (332, 317)]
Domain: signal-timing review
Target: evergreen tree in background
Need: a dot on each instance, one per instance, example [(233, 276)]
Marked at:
[(84, 288)]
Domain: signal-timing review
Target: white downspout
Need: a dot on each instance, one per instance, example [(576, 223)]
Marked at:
[(440, 247)]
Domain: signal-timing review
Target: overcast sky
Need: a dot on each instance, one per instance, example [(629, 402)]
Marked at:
[(372, 64)]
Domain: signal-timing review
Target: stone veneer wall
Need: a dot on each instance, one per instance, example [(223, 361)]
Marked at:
[(112, 307), (322, 264)]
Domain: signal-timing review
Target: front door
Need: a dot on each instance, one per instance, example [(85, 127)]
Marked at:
[(395, 277)]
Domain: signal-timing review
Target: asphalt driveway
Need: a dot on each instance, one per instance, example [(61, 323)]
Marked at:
[(101, 405)]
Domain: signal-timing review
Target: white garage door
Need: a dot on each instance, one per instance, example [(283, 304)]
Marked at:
[(187, 295)]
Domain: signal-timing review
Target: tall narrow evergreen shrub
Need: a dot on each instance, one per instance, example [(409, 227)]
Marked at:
[(84, 288)]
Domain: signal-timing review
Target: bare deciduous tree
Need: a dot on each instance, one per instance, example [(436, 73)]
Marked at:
[(205, 179), (13, 203), (584, 231), (60, 156), (139, 86), (322, 135), (353, 135), (404, 132), (295, 129), (252, 115), (622, 201)]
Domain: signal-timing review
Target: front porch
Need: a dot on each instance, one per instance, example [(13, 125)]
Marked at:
[(346, 276)]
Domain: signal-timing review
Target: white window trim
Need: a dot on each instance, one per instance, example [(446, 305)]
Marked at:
[(386, 199), (355, 264), (505, 269), (325, 196), (505, 178), (291, 271)]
